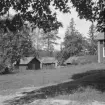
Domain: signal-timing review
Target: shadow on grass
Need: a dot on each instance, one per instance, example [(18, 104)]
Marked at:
[(87, 73), (93, 78)]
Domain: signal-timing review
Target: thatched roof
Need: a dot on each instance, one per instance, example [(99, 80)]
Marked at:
[(71, 60), (48, 60), (26, 60), (81, 59)]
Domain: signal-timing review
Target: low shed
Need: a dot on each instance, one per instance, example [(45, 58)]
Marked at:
[(29, 63), (48, 63), (71, 60)]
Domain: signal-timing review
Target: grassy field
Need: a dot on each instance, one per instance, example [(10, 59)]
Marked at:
[(85, 82), (43, 77)]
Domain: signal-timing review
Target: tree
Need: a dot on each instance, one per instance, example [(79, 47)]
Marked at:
[(71, 28), (37, 12), (73, 43), (37, 38), (93, 10), (14, 46), (72, 40), (92, 41), (50, 40)]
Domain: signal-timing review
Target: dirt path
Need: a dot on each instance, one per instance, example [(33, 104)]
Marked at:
[(51, 102)]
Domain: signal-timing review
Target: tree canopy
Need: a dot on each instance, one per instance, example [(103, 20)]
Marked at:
[(14, 46), (50, 39), (73, 43), (39, 12), (35, 11), (93, 10)]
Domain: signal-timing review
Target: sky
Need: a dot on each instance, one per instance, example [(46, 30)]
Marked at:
[(81, 25)]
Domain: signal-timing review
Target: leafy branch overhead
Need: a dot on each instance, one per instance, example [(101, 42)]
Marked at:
[(35, 11), (14, 46), (40, 13), (93, 10)]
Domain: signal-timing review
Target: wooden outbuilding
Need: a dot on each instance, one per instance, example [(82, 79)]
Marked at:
[(48, 63), (71, 60), (29, 63)]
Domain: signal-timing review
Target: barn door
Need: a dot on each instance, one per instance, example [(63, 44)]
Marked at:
[(34, 67)]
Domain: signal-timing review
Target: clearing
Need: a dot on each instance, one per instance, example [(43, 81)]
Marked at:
[(26, 82)]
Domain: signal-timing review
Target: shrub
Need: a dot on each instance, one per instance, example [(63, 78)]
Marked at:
[(2, 67), (5, 69)]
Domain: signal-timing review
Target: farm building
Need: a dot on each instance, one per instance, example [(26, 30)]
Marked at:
[(29, 63), (81, 59), (101, 47), (48, 63), (71, 60)]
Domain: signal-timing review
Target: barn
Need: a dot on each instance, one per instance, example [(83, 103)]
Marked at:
[(101, 47), (29, 63), (48, 63), (71, 60)]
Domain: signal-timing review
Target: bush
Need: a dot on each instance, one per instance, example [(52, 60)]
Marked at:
[(4, 69)]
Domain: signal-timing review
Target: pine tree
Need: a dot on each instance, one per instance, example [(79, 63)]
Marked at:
[(92, 41), (73, 43), (72, 40), (50, 39), (71, 28)]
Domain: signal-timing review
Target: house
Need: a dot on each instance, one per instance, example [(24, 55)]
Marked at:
[(29, 63), (71, 60), (101, 47), (48, 63)]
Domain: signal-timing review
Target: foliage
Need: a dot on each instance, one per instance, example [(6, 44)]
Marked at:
[(15, 41), (60, 57), (14, 46), (73, 41), (35, 11), (49, 39), (2, 67), (37, 38), (73, 44), (93, 43), (44, 41), (93, 10), (39, 12)]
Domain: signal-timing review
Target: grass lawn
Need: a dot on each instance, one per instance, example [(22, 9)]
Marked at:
[(43, 77), (84, 95), (89, 75)]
